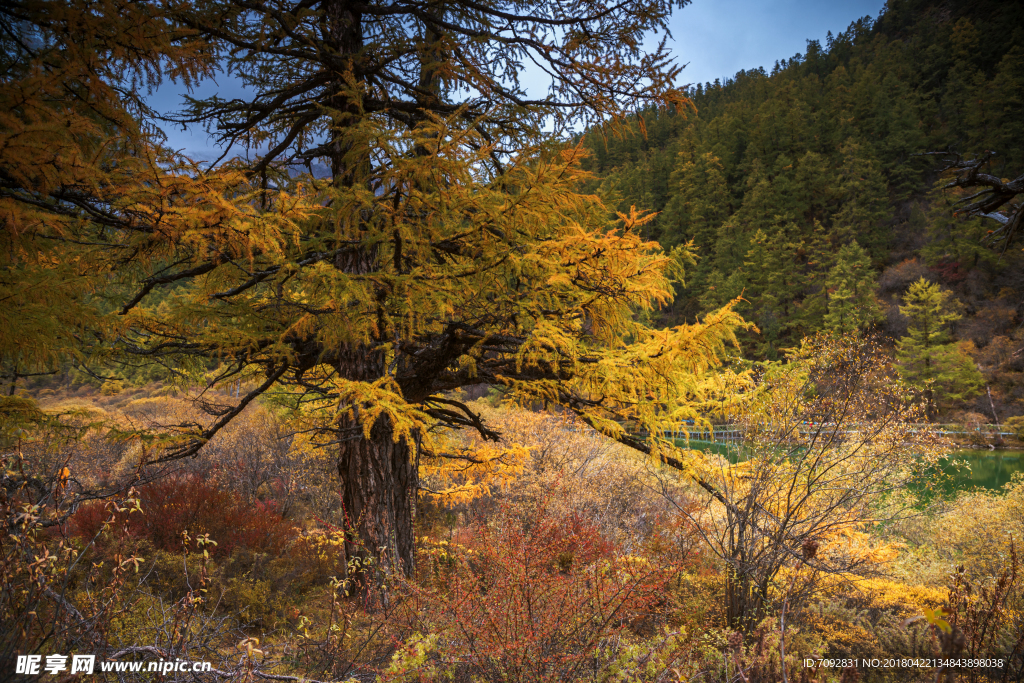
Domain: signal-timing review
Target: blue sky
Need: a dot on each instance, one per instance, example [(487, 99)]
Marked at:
[(715, 38), (720, 37)]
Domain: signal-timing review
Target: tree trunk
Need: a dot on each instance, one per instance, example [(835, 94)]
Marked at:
[(378, 482), (378, 475)]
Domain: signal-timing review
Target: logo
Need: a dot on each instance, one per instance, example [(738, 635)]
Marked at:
[(34, 665)]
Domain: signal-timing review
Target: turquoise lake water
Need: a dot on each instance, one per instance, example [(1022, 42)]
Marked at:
[(988, 469), (977, 468)]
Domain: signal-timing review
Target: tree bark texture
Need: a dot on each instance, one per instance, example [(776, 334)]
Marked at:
[(378, 484)]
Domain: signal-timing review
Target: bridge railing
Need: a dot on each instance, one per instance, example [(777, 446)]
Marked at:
[(734, 433)]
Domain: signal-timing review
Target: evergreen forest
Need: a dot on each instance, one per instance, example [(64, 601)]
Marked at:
[(806, 188)]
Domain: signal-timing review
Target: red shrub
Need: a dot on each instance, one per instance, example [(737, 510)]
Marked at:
[(88, 520), (175, 505), (949, 272), (529, 596)]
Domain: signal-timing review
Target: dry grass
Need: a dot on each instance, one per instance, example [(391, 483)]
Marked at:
[(614, 487)]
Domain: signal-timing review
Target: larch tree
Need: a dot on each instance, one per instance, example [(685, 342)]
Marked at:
[(69, 149), (89, 197), (89, 194), (415, 226)]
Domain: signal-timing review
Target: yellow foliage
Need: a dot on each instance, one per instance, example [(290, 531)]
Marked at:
[(896, 598), (976, 529), (435, 257), (89, 185), (568, 468)]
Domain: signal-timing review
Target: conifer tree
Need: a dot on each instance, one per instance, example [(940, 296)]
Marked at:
[(851, 292), (1002, 101), (761, 210), (864, 200), (926, 357), (814, 189), (87, 193), (722, 288), (955, 240), (448, 245), (770, 288), (699, 200), (836, 141), (961, 78), (699, 204)]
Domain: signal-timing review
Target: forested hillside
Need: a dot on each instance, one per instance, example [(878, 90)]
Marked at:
[(802, 190)]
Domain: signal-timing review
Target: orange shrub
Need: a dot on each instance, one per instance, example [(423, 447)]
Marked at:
[(527, 595)]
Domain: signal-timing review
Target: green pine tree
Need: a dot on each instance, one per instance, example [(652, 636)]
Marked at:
[(770, 289), (865, 201), (1005, 99), (850, 288), (693, 215), (926, 357), (721, 289), (955, 240), (762, 209), (700, 201)]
